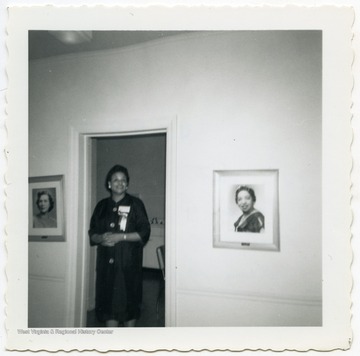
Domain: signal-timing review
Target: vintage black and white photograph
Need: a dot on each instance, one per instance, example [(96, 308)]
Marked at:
[(246, 209), (127, 157), (200, 190), (46, 209)]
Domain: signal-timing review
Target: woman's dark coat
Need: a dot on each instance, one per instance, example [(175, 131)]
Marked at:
[(119, 268)]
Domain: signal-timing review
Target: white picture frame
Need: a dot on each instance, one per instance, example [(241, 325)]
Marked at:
[(226, 213), (53, 228)]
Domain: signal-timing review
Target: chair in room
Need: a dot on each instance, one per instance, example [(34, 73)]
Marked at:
[(160, 253)]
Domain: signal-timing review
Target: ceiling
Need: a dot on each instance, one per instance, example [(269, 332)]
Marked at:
[(42, 44)]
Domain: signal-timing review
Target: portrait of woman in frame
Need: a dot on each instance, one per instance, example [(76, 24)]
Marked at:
[(246, 209), (46, 209)]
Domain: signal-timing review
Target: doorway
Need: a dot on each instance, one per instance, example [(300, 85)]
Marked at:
[(145, 157)]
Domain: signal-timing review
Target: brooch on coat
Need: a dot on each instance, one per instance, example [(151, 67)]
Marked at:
[(123, 212)]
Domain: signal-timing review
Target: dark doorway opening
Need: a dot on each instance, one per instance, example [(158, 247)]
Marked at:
[(145, 157)]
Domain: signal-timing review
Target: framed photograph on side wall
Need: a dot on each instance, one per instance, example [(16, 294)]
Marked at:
[(46, 209), (246, 209)]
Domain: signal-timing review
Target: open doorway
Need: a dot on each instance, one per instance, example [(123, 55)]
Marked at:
[(145, 157)]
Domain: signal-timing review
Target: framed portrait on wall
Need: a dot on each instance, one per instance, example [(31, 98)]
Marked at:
[(46, 209), (246, 209)]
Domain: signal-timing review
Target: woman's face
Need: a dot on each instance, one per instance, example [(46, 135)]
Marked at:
[(118, 183), (245, 201), (44, 203)]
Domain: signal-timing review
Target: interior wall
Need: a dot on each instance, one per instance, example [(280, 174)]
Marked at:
[(244, 100)]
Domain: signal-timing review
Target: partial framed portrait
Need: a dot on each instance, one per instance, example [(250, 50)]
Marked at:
[(246, 209), (46, 209)]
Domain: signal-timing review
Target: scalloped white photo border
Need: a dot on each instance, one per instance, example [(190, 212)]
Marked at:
[(337, 83)]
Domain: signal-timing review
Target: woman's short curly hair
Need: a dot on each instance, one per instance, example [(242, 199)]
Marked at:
[(51, 199), (117, 168), (248, 189)]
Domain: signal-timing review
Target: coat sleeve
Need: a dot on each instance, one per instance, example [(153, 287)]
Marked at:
[(95, 227), (142, 222)]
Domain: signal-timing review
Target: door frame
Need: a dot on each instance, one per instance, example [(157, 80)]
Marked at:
[(78, 188)]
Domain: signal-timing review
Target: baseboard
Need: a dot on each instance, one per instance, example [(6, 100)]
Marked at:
[(267, 298)]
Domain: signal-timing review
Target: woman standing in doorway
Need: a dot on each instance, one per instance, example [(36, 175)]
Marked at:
[(120, 227)]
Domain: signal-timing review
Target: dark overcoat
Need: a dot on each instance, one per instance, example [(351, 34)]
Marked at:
[(119, 268)]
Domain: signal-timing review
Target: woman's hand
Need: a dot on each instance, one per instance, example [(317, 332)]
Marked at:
[(108, 239)]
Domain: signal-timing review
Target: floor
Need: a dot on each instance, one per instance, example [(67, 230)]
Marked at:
[(152, 283)]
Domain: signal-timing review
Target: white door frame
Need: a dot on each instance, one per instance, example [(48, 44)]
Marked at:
[(78, 197)]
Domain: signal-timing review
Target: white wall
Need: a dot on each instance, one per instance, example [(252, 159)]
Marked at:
[(244, 100)]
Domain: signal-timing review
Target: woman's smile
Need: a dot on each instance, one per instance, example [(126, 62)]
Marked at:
[(245, 201), (44, 204), (118, 183)]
